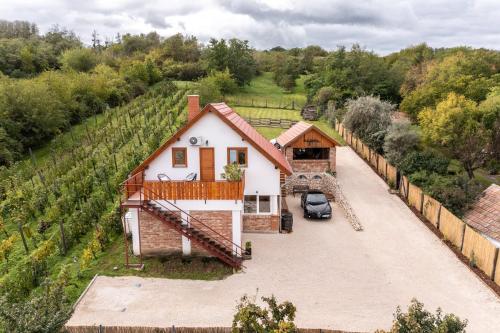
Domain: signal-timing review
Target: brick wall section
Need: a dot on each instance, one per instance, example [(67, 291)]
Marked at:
[(157, 237), (311, 165), (220, 221), (260, 223)]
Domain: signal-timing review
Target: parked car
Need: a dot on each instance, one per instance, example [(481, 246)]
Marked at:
[(315, 205)]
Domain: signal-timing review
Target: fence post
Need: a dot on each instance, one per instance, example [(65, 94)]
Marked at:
[(173, 329)]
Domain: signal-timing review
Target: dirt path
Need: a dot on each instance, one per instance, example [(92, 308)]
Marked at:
[(337, 277)]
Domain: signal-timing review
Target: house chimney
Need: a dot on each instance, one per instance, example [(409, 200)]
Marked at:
[(193, 106)]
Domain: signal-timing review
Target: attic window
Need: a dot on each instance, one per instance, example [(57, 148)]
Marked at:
[(179, 157), (238, 156)]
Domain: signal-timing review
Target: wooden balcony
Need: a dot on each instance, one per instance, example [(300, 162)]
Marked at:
[(193, 190), (183, 190)]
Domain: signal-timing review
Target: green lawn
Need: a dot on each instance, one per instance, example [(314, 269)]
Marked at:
[(270, 132), (248, 112), (262, 91)]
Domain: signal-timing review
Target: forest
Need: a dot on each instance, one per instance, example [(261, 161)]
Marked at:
[(76, 118)]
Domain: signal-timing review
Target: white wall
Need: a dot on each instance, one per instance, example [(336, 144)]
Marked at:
[(133, 225), (261, 174)]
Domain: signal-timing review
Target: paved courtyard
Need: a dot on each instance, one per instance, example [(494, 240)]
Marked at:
[(337, 277)]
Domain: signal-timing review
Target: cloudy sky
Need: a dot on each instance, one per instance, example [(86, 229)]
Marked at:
[(380, 25)]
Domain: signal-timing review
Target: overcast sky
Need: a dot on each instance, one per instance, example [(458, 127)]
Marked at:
[(380, 25)]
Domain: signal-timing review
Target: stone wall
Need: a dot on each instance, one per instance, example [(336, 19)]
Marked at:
[(157, 237), (316, 181), (260, 223)]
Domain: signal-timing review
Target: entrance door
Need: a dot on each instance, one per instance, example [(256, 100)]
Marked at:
[(207, 165)]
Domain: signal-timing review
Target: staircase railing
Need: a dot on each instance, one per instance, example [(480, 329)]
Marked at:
[(188, 219)]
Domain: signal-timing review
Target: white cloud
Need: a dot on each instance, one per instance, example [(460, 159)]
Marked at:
[(381, 25)]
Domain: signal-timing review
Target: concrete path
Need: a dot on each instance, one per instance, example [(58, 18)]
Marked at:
[(337, 277)]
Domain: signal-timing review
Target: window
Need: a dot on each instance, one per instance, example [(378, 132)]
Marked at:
[(311, 153), (237, 155), (257, 204), (179, 157), (264, 204), (250, 205)]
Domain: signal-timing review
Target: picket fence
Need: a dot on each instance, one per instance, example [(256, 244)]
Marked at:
[(477, 248)]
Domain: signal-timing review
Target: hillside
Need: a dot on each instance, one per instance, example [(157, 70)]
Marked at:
[(60, 209)]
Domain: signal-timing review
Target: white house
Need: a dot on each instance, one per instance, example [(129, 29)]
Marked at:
[(179, 201)]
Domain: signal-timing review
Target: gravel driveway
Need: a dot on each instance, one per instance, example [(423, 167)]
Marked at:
[(337, 277)]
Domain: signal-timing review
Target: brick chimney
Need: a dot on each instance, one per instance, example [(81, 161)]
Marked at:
[(193, 106)]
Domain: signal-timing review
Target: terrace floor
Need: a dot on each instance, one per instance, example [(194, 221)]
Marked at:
[(337, 277)]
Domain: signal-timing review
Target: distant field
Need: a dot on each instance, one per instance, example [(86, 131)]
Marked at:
[(262, 92), (270, 132)]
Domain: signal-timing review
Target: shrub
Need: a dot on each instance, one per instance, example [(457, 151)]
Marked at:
[(456, 193), (419, 320), (276, 318), (44, 313), (80, 60), (368, 118), (324, 95), (214, 87), (417, 160), (399, 140)]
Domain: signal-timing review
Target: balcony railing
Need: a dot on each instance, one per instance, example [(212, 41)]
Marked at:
[(193, 190), (185, 190)]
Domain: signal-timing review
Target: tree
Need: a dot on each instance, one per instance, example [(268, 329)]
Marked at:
[(400, 139), (368, 118), (276, 318), (490, 108), (214, 87), (471, 73), (80, 60), (419, 320), (456, 126), (236, 55), (286, 70), (354, 73)]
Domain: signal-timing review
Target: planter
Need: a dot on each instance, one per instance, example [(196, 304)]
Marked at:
[(247, 255)]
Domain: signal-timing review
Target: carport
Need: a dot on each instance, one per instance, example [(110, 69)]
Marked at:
[(308, 149)]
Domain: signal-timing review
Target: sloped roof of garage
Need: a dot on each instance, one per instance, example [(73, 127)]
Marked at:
[(300, 128), (485, 213)]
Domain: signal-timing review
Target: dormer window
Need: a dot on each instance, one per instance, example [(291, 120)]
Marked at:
[(179, 157), (238, 156)]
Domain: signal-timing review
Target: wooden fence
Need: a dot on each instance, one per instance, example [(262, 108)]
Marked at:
[(431, 209), (477, 248), (269, 122), (284, 103), (480, 251), (451, 227), (139, 329)]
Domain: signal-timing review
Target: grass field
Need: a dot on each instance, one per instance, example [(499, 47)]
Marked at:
[(262, 91), (272, 113), (247, 112)]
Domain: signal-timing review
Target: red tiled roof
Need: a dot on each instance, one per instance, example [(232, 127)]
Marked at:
[(292, 133), (297, 130), (485, 213), (254, 137), (239, 125)]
